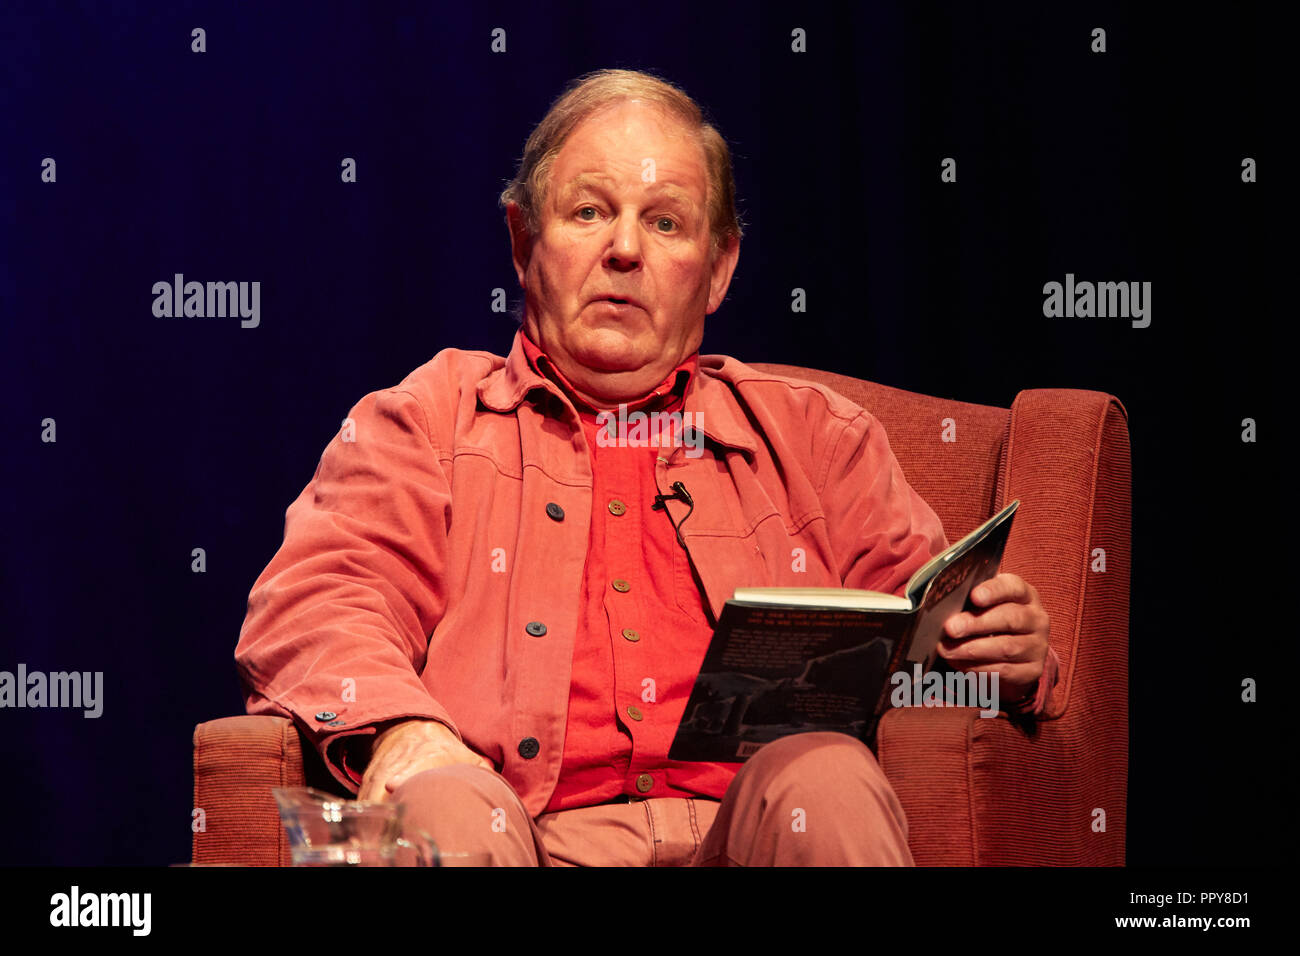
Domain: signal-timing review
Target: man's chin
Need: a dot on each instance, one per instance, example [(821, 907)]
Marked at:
[(607, 368), (612, 381), (607, 360)]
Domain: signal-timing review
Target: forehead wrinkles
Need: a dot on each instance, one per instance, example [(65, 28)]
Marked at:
[(601, 182), (607, 137)]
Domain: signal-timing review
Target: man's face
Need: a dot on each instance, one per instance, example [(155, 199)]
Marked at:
[(625, 217)]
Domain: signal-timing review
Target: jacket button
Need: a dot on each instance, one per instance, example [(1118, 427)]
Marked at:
[(645, 783), (621, 586), (529, 748), (631, 635), (617, 507), (325, 715), (535, 628), (555, 511), (634, 713)]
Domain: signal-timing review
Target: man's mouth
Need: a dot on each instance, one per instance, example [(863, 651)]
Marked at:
[(619, 300)]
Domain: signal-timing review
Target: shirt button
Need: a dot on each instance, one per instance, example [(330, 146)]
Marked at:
[(617, 507), (631, 635), (325, 715), (554, 511), (529, 748), (634, 713), (535, 628), (621, 585), (645, 783)]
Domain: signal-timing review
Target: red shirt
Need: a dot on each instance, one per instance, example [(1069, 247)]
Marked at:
[(637, 651)]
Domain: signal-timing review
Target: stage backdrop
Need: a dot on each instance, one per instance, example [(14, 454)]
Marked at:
[(920, 174)]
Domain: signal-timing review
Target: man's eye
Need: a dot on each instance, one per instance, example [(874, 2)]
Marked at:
[(664, 219), (587, 209)]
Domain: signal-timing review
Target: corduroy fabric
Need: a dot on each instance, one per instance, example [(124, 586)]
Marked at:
[(988, 791), (237, 760), (976, 791)]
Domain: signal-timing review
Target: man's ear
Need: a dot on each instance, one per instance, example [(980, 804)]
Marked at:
[(521, 243), (723, 268)]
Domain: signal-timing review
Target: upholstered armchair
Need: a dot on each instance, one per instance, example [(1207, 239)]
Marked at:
[(976, 791)]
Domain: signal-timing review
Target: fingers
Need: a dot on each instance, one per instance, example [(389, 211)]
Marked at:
[(397, 779), (1006, 618), (387, 771), (394, 765), (998, 648), (407, 769), (1009, 638), (1004, 587), (371, 789), (1013, 679), (1012, 606)]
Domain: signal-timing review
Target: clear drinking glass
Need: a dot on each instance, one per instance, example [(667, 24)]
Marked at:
[(325, 830)]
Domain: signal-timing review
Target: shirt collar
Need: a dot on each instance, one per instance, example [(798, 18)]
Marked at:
[(665, 396), (723, 422)]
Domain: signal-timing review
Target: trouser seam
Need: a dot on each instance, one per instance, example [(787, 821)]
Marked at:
[(695, 827), (654, 841)]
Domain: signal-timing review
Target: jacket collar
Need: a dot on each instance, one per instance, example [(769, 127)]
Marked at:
[(666, 396), (716, 412)]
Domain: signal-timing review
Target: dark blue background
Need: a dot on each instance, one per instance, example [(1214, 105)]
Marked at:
[(183, 433)]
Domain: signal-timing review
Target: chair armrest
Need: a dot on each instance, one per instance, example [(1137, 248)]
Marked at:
[(1067, 459), (237, 760), (984, 791)]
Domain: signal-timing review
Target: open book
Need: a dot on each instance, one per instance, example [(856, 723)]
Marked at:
[(795, 660)]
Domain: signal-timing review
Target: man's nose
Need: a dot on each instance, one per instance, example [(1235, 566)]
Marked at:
[(625, 245)]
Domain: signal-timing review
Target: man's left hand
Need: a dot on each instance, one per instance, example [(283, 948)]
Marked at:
[(1008, 637)]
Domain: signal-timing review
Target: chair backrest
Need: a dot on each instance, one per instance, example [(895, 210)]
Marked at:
[(958, 479), (1065, 454)]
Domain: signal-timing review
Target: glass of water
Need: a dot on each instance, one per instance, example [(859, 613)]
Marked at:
[(325, 830)]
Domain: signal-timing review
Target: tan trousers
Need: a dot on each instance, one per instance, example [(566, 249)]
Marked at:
[(814, 799)]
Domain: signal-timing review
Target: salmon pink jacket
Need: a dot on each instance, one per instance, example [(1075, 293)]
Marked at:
[(419, 562)]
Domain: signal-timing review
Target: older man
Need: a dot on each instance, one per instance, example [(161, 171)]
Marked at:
[(491, 603)]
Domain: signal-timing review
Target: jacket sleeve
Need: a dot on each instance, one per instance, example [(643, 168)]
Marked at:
[(885, 531), (881, 530), (338, 623)]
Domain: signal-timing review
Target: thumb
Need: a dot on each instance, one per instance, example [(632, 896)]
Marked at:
[(395, 781)]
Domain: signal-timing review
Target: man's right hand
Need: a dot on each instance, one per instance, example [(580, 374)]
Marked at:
[(410, 747)]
